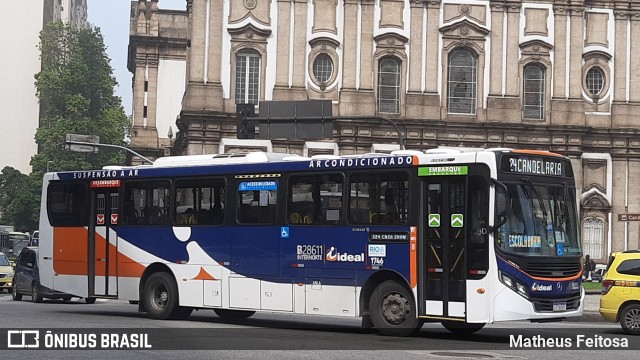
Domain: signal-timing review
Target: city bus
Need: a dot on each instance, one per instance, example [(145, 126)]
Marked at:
[(463, 238)]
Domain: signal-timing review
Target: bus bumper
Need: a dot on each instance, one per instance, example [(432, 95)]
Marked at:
[(509, 306)]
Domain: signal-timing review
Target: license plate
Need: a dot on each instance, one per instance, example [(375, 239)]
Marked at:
[(560, 306)]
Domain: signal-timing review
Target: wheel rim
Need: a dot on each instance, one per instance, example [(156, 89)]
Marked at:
[(14, 291), (395, 309), (34, 292), (632, 319), (159, 297)]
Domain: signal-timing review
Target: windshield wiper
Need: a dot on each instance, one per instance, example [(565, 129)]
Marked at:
[(537, 195)]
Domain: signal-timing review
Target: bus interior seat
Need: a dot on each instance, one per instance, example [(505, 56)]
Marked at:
[(294, 218)]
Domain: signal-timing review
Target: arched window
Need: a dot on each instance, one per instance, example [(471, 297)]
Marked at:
[(389, 85), (593, 238), (247, 77), (462, 82), (533, 92)]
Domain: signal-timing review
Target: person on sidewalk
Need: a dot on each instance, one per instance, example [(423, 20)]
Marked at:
[(589, 266)]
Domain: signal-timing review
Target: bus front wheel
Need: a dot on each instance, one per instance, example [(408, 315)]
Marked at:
[(160, 298), (392, 310)]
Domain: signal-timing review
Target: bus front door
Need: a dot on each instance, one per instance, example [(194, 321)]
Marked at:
[(103, 242), (443, 266)]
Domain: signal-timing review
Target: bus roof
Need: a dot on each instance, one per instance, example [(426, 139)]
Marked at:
[(268, 162)]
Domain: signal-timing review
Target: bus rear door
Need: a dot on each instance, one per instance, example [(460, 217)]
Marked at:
[(103, 245)]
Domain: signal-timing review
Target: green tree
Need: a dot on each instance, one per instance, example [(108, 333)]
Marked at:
[(19, 199), (76, 90), (75, 87)]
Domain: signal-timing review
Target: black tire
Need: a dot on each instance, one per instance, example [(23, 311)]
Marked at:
[(160, 298), (393, 310), (233, 314), (630, 319), (36, 297), (462, 328), (90, 300), (66, 298), (15, 294)]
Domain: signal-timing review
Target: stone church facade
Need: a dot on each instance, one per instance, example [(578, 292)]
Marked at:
[(552, 75)]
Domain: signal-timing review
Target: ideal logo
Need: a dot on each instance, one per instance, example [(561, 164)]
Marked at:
[(334, 255), (540, 287)]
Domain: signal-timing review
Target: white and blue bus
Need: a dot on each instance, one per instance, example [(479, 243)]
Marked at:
[(461, 238)]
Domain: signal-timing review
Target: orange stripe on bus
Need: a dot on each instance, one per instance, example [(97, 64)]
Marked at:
[(537, 152), (70, 253), (413, 256), (70, 250), (203, 275)]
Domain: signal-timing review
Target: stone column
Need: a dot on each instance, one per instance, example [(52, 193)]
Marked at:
[(138, 94), (282, 57), (433, 49), (634, 93), (366, 44), (415, 43), (560, 58), (620, 60), (497, 44), (513, 50), (152, 94), (215, 42), (350, 44), (196, 59), (577, 45), (300, 43)]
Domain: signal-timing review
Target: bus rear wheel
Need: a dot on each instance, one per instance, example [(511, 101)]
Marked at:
[(160, 298), (233, 314), (462, 328), (392, 310)]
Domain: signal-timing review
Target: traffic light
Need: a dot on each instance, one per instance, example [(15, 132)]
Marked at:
[(245, 129)]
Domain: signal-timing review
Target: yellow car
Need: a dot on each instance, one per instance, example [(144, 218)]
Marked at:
[(620, 300), (6, 273)]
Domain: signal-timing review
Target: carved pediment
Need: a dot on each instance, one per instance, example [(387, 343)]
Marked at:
[(596, 54), (464, 29), (390, 40), (250, 32), (536, 46), (324, 41), (595, 200)]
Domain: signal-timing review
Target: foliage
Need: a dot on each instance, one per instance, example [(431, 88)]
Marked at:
[(75, 87), (76, 91), (19, 199)]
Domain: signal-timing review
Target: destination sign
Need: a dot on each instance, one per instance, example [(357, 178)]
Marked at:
[(535, 166)]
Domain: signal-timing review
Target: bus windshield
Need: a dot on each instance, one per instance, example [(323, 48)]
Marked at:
[(541, 220)]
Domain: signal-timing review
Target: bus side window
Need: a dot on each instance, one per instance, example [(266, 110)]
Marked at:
[(256, 205), (380, 199), (315, 200)]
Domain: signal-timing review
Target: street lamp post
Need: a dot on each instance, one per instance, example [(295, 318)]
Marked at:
[(49, 163), (90, 143)]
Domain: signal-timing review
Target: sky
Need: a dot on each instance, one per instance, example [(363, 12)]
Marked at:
[(112, 17)]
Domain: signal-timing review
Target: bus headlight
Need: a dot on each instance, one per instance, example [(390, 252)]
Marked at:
[(522, 290), (506, 280)]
